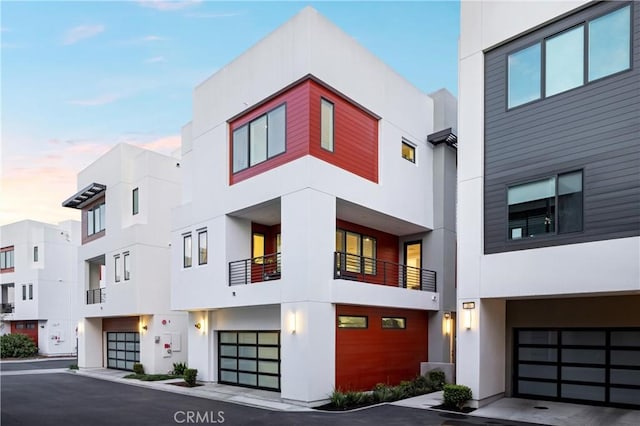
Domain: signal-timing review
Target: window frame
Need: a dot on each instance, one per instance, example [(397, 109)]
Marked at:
[(36, 255), (413, 149), (361, 238), (331, 144), (259, 259), (351, 326), (185, 238), (586, 56), (135, 201), (7, 259), (400, 320), (30, 291), (126, 266), (247, 148), (556, 222), (24, 292), (202, 232), (116, 268), (100, 208)]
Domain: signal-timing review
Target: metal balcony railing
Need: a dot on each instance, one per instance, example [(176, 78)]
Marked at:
[(96, 295), (374, 271), (255, 270), (7, 308)]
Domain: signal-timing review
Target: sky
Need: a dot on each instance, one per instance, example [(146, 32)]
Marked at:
[(78, 77)]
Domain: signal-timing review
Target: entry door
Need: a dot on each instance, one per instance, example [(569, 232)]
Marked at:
[(413, 260)]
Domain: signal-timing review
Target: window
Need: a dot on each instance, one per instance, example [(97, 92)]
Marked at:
[(260, 139), (349, 321), (30, 291), (35, 253), (605, 40), (24, 292), (186, 251), (96, 219), (564, 61), (326, 124), (258, 248), (394, 322), (127, 266), (408, 151), (202, 247), (609, 42), (359, 251), (6, 259), (524, 76), (135, 203), (116, 266), (546, 206)]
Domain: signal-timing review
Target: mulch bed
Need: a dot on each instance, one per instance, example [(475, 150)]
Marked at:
[(184, 384), (464, 410), (331, 407)]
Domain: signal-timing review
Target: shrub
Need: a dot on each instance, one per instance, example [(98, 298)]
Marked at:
[(456, 395), (178, 368), (422, 385), (338, 399), (190, 375), (138, 368), (73, 367), (437, 379), (17, 346)]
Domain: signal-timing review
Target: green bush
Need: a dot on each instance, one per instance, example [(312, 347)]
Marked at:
[(456, 395), (73, 366), (149, 377), (17, 346), (138, 368), (190, 375), (437, 379), (338, 399), (178, 368)]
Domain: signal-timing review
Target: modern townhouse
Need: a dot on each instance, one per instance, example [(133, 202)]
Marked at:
[(314, 246), (125, 198), (38, 276), (549, 201)]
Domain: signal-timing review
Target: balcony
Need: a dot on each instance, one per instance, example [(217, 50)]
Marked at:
[(96, 295), (255, 270), (7, 308), (353, 267)]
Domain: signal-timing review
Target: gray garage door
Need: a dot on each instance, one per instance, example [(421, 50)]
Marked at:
[(123, 350), (593, 366), (249, 358)]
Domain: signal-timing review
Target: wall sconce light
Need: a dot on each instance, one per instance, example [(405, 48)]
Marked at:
[(446, 324), (198, 325), (292, 322), (145, 328), (468, 308)]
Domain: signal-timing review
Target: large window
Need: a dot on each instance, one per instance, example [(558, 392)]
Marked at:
[(326, 125), (359, 252), (186, 251), (605, 40), (6, 258), (258, 247), (202, 247), (260, 139), (546, 206), (352, 321), (96, 219)]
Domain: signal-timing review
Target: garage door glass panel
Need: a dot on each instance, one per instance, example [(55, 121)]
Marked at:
[(229, 376), (226, 350), (538, 337), (583, 374), (269, 367), (592, 393), (624, 377), (249, 338), (248, 379), (268, 381), (230, 363), (228, 338), (625, 338), (537, 388), (541, 371), (247, 365), (247, 351), (584, 356), (625, 396), (583, 338), (538, 354), (625, 358), (268, 338), (268, 353)]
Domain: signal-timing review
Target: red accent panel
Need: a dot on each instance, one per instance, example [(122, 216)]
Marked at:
[(387, 248), (28, 328), (355, 135), (297, 142), (355, 132), (365, 357)]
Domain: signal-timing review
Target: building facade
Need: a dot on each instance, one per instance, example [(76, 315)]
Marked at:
[(549, 271), (314, 246), (125, 198), (38, 276)]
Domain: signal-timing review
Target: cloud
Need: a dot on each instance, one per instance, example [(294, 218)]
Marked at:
[(153, 38), (168, 5), (164, 145), (81, 32), (4, 30), (155, 60), (205, 15), (97, 101)]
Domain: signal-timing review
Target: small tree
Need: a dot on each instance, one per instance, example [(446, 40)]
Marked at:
[(17, 346), (190, 375), (138, 368), (456, 395)]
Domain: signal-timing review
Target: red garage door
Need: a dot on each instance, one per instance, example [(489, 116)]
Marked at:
[(28, 328)]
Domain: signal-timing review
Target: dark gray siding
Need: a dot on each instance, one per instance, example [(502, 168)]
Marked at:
[(595, 128)]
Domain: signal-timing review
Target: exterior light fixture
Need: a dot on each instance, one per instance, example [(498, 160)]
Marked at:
[(145, 328), (468, 308), (292, 322), (198, 325), (446, 324)]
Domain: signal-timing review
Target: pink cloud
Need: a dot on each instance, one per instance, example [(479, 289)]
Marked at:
[(74, 35), (167, 5), (97, 101)]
